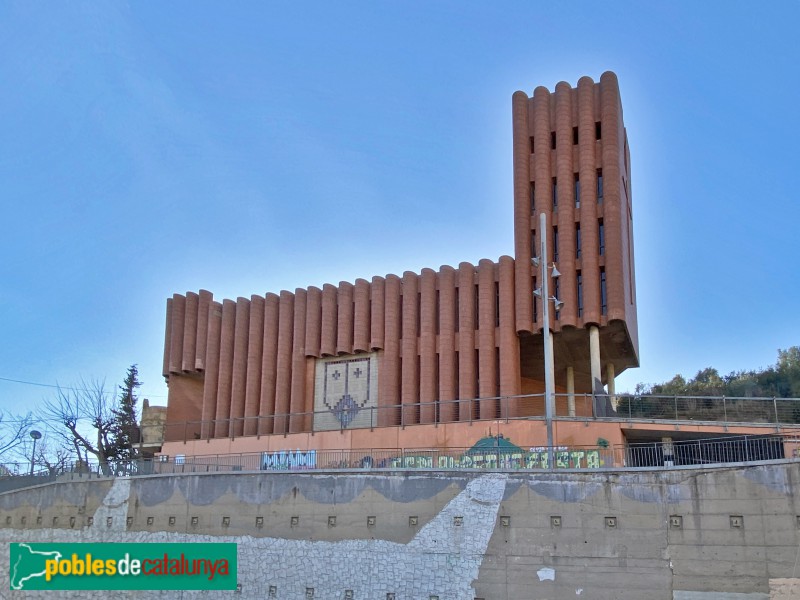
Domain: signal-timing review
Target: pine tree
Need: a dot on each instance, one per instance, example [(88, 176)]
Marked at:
[(125, 427)]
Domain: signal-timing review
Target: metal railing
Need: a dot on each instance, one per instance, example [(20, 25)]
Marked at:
[(649, 455), (778, 412)]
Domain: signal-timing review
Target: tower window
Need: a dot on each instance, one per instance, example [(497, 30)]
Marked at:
[(598, 130), (599, 185), (496, 304), (574, 135), (577, 191), (579, 280), (555, 244), (533, 197), (533, 243), (553, 140), (577, 240), (555, 193), (532, 146), (601, 238), (603, 298)]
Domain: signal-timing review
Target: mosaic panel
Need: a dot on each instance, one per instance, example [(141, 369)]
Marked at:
[(346, 392)]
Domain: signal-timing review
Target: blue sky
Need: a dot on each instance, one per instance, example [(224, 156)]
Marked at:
[(151, 148)]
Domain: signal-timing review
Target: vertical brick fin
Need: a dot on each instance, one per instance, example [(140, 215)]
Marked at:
[(344, 334), (327, 346), (361, 321), (377, 313), (176, 333), (226, 349), (543, 173), (269, 365), (509, 342), (167, 340), (211, 377), (189, 332), (466, 340), (389, 378), (522, 210), (564, 217), (448, 409), (486, 346), (283, 379), (297, 402), (255, 349), (590, 260), (614, 196), (308, 418), (427, 346), (409, 391), (206, 298), (313, 320), (239, 383)]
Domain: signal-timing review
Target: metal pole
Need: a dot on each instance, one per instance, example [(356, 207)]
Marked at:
[(549, 376)]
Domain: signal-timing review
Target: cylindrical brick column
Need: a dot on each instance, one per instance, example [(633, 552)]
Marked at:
[(590, 261), (313, 320), (467, 390), (255, 349), (298, 397), (204, 302), (543, 174), (427, 347), (167, 340), (190, 332), (344, 334), (448, 374), (211, 377), (389, 379), (283, 379), (486, 346), (377, 313), (176, 333), (522, 210), (410, 382), (328, 333), (269, 365), (614, 196), (361, 316), (564, 217), (239, 383), (308, 417), (509, 342), (227, 339)]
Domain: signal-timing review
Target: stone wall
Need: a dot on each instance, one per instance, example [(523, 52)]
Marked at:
[(724, 533)]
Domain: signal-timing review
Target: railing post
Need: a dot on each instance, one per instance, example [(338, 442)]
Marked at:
[(775, 406)]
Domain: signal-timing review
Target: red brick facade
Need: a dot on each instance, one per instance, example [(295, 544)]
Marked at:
[(449, 343)]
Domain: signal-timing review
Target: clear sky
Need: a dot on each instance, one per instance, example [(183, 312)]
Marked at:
[(148, 148)]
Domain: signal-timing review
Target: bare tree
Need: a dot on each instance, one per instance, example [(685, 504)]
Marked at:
[(53, 454), (14, 430), (88, 420)]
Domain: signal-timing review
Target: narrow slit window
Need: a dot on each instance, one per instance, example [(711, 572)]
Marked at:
[(603, 298), (535, 312), (476, 313), (533, 243), (577, 240), (532, 146), (555, 193), (577, 191), (555, 244), (598, 130), (599, 185), (553, 140), (497, 304), (601, 237), (436, 312), (455, 301), (574, 135), (533, 197), (556, 291), (579, 281)]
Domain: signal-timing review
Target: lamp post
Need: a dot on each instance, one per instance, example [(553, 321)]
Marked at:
[(35, 435), (549, 369)]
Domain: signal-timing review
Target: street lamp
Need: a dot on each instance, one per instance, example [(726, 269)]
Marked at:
[(543, 293), (35, 435)]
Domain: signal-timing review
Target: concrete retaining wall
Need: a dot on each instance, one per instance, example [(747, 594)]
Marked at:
[(725, 533)]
